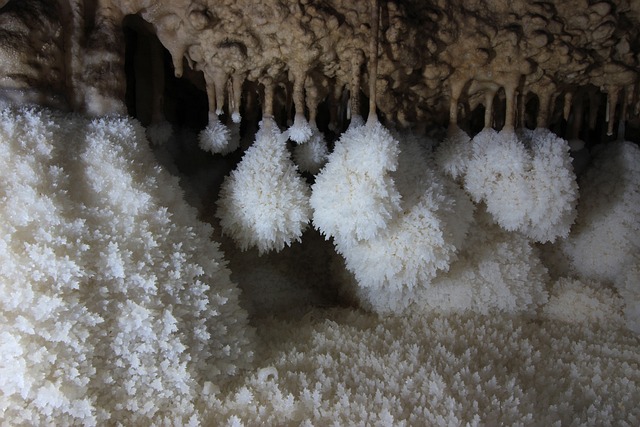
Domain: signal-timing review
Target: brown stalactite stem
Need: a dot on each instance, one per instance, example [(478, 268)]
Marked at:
[(231, 96), (457, 84), (237, 81), (373, 61), (612, 102), (73, 20), (312, 103), (220, 81), (211, 97), (83, 56), (510, 111), (522, 97), (568, 98), (356, 66), (298, 90), (488, 112), (593, 108), (576, 122), (267, 108)]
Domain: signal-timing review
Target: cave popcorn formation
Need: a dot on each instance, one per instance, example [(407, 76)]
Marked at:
[(491, 284)]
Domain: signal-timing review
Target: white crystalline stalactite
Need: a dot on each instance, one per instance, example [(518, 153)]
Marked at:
[(496, 175), (312, 155), (354, 196), (527, 181), (417, 243), (554, 186), (604, 244), (396, 230), (606, 236), (496, 271), (264, 202), (493, 271), (454, 153), (217, 138), (116, 306), (301, 131)]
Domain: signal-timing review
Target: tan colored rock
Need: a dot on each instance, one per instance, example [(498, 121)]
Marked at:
[(431, 53)]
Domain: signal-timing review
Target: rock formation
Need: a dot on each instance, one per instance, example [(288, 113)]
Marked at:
[(531, 63)]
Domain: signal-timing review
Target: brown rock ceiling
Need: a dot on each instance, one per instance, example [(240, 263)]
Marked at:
[(531, 62)]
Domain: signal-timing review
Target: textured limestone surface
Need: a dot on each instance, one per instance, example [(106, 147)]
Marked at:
[(437, 59)]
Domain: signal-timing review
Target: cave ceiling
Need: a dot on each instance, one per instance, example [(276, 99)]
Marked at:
[(438, 60)]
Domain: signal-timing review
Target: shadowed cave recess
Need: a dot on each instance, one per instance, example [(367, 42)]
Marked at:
[(352, 170)]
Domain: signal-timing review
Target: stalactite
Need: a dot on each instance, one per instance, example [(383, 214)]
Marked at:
[(545, 97), (373, 62), (267, 105), (568, 98), (612, 102), (220, 79), (520, 108), (104, 56), (235, 98), (527, 54), (575, 119), (312, 102), (357, 59), (456, 85), (211, 97), (510, 110), (300, 131), (73, 13), (335, 108), (594, 102), (490, 95)]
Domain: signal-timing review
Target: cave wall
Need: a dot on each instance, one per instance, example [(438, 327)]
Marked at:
[(438, 60)]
